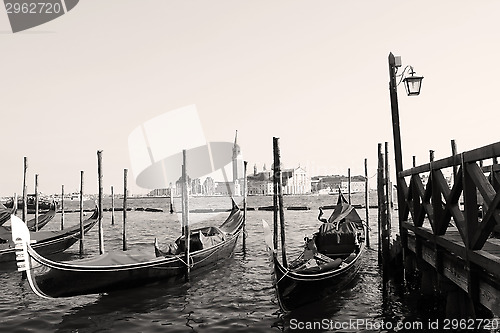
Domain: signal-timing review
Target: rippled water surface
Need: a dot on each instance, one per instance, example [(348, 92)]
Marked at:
[(236, 297)]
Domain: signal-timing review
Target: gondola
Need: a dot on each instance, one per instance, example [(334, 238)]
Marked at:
[(114, 271), (44, 242), (5, 213), (42, 220), (44, 203), (329, 262), (331, 257)]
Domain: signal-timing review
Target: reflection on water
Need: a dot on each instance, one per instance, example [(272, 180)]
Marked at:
[(236, 297)]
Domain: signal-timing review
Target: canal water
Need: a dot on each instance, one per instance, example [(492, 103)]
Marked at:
[(237, 297)]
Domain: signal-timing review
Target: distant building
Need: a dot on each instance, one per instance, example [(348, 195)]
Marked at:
[(260, 183), (331, 184), (294, 181), (209, 186), (196, 188)]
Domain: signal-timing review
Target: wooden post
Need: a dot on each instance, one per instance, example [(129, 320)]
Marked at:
[(36, 203), (431, 155), (388, 197), (171, 199), (349, 183), (275, 203), (15, 203), (381, 201), (99, 181), (277, 174), (454, 153), (244, 203), (25, 190), (82, 231), (185, 214), (367, 205), (125, 194), (398, 154), (62, 207), (414, 161), (112, 205)]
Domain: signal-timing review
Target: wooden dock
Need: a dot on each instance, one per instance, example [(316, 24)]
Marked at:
[(447, 227)]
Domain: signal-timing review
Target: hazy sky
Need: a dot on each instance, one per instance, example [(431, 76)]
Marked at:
[(313, 73)]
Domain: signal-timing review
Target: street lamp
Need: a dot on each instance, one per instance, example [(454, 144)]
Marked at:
[(412, 84)]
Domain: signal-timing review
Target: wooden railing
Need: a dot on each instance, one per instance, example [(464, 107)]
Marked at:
[(469, 205)]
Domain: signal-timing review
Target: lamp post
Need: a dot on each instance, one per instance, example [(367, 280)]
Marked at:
[(412, 84)]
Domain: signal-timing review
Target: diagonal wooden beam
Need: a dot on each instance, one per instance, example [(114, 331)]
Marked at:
[(426, 206), (470, 202), (442, 186), (406, 193), (419, 193), (489, 222), (485, 188)]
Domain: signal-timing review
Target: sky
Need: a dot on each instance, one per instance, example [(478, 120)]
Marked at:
[(313, 73)]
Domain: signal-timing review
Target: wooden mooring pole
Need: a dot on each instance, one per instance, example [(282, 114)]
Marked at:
[(82, 231), (380, 197), (171, 199), (36, 203), (62, 207), (367, 205), (125, 195), (25, 190), (112, 205), (185, 216), (99, 181), (244, 204), (277, 175), (388, 200)]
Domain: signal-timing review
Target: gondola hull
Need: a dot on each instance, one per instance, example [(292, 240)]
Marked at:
[(119, 270), (295, 290), (53, 282)]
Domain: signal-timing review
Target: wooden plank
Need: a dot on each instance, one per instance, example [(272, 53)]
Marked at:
[(489, 296), (452, 243), (454, 270)]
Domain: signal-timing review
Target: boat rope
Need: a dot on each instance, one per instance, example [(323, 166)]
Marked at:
[(281, 278)]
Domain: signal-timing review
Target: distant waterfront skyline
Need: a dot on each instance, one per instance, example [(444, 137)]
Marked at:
[(313, 73)]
